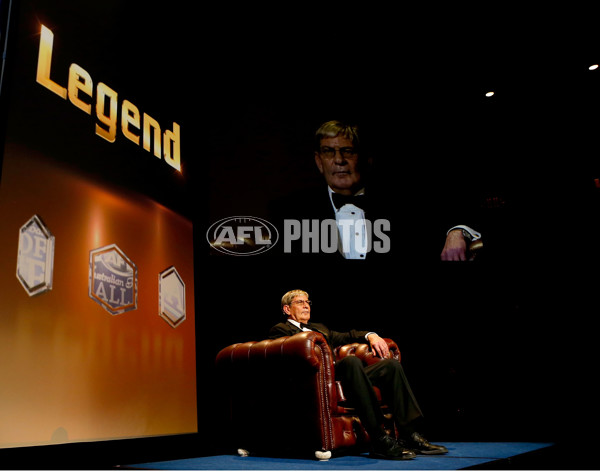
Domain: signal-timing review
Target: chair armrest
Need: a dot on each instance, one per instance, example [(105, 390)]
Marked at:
[(306, 348), (363, 351)]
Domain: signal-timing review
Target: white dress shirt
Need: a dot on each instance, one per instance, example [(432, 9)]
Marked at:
[(353, 237)]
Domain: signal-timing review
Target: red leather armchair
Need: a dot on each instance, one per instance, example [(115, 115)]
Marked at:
[(281, 396)]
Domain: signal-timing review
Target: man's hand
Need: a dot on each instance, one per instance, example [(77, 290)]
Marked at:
[(455, 248), (379, 346)]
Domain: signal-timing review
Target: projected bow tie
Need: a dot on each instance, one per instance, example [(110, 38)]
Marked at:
[(339, 200)]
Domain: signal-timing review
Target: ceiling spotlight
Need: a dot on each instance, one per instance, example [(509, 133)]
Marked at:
[(489, 94), (593, 67)]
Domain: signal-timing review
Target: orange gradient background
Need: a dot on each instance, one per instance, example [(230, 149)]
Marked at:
[(71, 371)]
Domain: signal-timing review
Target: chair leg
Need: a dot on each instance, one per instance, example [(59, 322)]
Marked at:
[(323, 455), (319, 454)]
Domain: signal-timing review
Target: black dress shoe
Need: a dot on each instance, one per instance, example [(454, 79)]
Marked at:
[(388, 448), (419, 444)]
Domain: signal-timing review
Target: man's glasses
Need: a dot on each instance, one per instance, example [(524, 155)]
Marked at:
[(302, 302), (329, 153)]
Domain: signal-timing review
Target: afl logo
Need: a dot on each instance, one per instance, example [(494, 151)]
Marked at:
[(242, 236)]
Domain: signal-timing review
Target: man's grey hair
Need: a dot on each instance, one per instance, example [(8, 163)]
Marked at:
[(289, 296), (335, 128)]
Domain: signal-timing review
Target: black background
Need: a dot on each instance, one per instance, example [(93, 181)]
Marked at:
[(498, 349)]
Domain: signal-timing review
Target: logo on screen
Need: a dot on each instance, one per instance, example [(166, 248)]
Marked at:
[(171, 297), (113, 280), (35, 259), (242, 236)]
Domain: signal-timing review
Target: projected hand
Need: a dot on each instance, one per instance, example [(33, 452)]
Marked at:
[(455, 248)]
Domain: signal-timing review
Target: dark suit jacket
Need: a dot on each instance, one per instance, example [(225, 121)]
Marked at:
[(419, 217), (334, 339), (314, 205)]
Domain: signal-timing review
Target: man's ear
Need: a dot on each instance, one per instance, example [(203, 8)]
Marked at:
[(319, 162), (286, 309)]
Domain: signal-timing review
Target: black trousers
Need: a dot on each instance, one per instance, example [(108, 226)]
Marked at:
[(388, 375)]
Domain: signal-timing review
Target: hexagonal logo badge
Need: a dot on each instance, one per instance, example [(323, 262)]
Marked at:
[(113, 280), (35, 258), (171, 297)]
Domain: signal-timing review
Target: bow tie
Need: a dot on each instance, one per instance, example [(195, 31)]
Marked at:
[(339, 200), (312, 329)]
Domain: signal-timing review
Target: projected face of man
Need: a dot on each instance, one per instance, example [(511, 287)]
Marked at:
[(337, 160), (298, 309)]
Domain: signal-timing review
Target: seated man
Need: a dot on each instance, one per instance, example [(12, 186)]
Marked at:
[(358, 381)]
